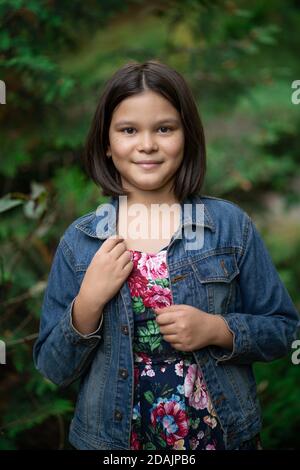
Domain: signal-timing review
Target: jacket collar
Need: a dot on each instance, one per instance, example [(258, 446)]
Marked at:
[(102, 222)]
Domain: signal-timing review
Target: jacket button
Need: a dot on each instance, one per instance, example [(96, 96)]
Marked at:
[(123, 373), (125, 330), (118, 415)]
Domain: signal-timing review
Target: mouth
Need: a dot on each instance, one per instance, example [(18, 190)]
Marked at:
[(148, 165)]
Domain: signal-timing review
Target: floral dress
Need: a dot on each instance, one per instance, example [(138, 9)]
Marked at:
[(171, 409)]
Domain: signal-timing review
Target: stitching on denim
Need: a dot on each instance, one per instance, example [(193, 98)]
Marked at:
[(68, 254), (246, 237)]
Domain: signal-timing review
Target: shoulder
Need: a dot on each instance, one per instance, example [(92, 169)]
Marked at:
[(78, 243), (72, 233), (230, 223), (222, 209), (219, 203)]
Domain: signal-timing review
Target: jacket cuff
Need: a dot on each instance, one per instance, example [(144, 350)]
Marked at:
[(241, 339), (74, 335)]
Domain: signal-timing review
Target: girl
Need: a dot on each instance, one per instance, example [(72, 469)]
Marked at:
[(161, 331)]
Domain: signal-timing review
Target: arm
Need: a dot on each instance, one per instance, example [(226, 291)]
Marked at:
[(266, 327), (221, 334), (62, 353)]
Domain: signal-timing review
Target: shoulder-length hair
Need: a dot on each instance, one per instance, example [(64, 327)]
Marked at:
[(129, 80)]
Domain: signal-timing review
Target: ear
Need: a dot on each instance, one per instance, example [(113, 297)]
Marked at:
[(108, 151)]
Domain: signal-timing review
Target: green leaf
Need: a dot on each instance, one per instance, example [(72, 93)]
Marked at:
[(138, 305), (7, 203), (153, 327), (149, 397), (161, 441), (164, 282), (154, 342), (149, 446)]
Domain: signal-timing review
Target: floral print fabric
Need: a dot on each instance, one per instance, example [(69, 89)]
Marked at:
[(172, 408)]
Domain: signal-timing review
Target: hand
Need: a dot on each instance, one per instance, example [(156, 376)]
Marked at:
[(188, 328), (108, 270)]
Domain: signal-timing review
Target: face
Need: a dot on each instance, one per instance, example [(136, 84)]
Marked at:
[(146, 127)]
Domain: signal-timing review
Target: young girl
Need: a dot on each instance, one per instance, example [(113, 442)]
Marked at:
[(161, 331)]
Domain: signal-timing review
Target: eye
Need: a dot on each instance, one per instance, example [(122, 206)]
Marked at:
[(165, 128), (132, 128), (126, 129)]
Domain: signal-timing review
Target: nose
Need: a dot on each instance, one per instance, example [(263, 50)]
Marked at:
[(147, 143)]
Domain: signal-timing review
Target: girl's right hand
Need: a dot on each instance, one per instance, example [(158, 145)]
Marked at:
[(108, 270)]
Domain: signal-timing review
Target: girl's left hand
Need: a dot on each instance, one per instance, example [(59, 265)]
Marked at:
[(188, 328)]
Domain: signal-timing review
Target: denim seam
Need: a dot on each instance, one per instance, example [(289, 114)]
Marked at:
[(245, 240), (68, 253), (240, 347)]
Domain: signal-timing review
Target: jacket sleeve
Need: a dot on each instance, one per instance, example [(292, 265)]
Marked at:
[(268, 324), (61, 353)]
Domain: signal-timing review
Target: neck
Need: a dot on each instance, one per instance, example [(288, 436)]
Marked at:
[(151, 197)]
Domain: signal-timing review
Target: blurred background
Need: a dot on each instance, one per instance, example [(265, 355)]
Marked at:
[(240, 59)]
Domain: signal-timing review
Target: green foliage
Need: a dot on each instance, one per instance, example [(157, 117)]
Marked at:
[(239, 58), (278, 384)]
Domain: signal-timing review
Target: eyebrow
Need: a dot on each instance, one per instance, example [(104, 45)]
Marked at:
[(161, 121)]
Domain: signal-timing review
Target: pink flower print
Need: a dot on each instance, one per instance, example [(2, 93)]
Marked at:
[(210, 421), (194, 443), (142, 357), (148, 371), (153, 266), (137, 284), (173, 420), (134, 441), (194, 388), (179, 369), (210, 447), (157, 296), (136, 375), (135, 256)]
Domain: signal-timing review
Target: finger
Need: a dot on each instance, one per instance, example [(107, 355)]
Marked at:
[(165, 319), (126, 259), (177, 346), (169, 308), (170, 338), (168, 329), (118, 250), (111, 242)]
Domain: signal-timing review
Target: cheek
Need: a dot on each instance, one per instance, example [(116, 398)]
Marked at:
[(175, 147), (121, 146)]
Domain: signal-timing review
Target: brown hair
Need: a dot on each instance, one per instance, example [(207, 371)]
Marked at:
[(129, 80)]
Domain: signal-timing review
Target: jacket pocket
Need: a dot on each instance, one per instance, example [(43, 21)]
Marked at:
[(218, 274)]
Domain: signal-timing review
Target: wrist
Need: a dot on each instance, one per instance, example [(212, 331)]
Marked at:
[(85, 320), (91, 310), (222, 336)]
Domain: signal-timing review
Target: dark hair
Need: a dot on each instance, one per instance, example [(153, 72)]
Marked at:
[(129, 80)]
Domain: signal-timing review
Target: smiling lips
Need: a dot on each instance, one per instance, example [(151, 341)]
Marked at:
[(148, 165)]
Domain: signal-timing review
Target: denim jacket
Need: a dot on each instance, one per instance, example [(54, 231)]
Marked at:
[(231, 274)]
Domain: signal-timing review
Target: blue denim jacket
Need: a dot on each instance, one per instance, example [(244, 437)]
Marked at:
[(232, 274)]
